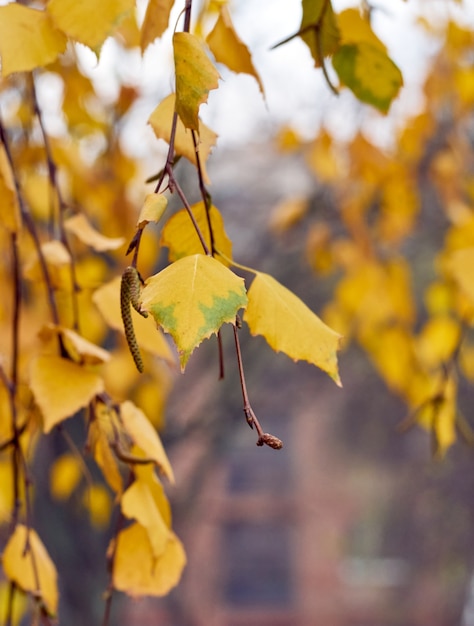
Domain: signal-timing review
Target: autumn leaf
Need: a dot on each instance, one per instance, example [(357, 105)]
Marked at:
[(229, 49), (152, 210), (155, 22), (138, 503), (76, 19), (80, 226), (107, 300), (181, 238), (195, 77), (370, 74), (192, 298), (460, 265), (78, 348), (61, 388), (27, 563), (154, 577), (103, 430), (356, 28), (28, 39), (319, 29), (161, 121), (145, 437), (65, 475), (289, 326)]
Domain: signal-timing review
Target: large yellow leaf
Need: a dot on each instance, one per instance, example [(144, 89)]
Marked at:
[(26, 563), (156, 21), (289, 326), (228, 48), (61, 388), (81, 22), (195, 77), (139, 504), (28, 39), (180, 236), (137, 572), (192, 298), (107, 300), (161, 121), (145, 436)]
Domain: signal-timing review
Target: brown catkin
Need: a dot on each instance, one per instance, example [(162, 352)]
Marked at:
[(129, 294)]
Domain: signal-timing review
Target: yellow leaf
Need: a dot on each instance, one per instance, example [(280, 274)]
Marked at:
[(80, 226), (78, 20), (161, 121), (137, 573), (289, 326), (139, 504), (156, 21), (461, 267), (107, 300), (65, 475), (10, 209), (228, 48), (288, 213), (20, 606), (438, 340), (152, 210), (101, 450), (26, 562), (28, 39), (354, 28), (180, 236), (78, 348), (195, 77), (145, 436), (192, 298), (58, 261), (439, 415), (97, 501), (61, 388)]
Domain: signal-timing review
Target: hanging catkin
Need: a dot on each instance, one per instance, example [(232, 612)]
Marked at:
[(129, 294)]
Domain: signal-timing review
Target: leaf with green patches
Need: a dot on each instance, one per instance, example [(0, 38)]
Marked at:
[(369, 73), (191, 299), (195, 77), (289, 326)]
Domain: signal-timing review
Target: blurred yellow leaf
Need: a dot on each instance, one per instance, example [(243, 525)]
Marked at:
[(180, 236), (10, 210), (461, 266), (153, 208), (66, 472), (192, 298), (58, 261), (150, 338), (61, 388), (145, 436), (26, 561), (439, 415), (288, 213), (136, 571), (99, 442), (139, 504), (155, 22), (77, 21), (80, 226), (195, 77), (98, 503), (289, 326), (228, 48), (78, 348), (28, 39), (438, 340), (161, 121), (20, 605)]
